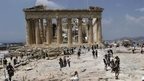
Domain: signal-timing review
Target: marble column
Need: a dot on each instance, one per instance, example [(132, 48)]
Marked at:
[(33, 31), (48, 31), (28, 32), (99, 31), (69, 31), (37, 32), (42, 31), (90, 32), (80, 41), (59, 31)]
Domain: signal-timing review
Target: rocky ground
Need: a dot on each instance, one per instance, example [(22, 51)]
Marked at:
[(89, 69)]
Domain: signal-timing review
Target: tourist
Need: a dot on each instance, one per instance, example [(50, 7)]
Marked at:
[(4, 62), (142, 51), (88, 48), (11, 58), (76, 74), (68, 53), (111, 52), (68, 61), (4, 65), (105, 62), (133, 50), (64, 61), (15, 61), (64, 52), (61, 63), (79, 53), (96, 53), (92, 47), (117, 67), (108, 59), (72, 50), (97, 46), (112, 64), (93, 53), (83, 47), (10, 71), (75, 77)]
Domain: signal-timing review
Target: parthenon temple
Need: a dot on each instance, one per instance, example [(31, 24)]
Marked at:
[(46, 26)]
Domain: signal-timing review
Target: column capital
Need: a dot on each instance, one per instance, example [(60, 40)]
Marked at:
[(28, 20), (98, 19)]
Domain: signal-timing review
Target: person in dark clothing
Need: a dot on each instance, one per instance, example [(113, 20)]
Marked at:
[(97, 46), (117, 67), (78, 54), (112, 65), (111, 52), (105, 62), (72, 50), (76, 73), (133, 50), (96, 53), (11, 57), (108, 59), (93, 53), (68, 61), (15, 60), (61, 63), (88, 49), (10, 71), (4, 62), (64, 52), (64, 62), (68, 51), (92, 47), (142, 51)]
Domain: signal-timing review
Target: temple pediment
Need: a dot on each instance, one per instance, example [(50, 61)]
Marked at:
[(45, 8)]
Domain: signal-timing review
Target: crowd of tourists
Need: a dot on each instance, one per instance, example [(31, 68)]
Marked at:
[(112, 62)]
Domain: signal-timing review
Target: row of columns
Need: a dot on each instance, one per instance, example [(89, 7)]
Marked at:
[(38, 33)]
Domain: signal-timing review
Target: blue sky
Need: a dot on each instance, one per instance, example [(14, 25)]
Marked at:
[(121, 18)]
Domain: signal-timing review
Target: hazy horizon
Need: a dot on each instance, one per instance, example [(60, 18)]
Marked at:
[(120, 18)]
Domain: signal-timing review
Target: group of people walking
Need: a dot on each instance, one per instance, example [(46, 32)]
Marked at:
[(64, 62), (95, 53), (9, 69), (112, 62), (69, 51)]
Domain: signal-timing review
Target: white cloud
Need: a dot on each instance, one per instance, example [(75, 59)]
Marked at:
[(130, 18), (140, 9), (48, 4), (107, 21), (137, 20)]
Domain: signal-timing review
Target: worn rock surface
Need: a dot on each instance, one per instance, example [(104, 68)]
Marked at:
[(89, 69)]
